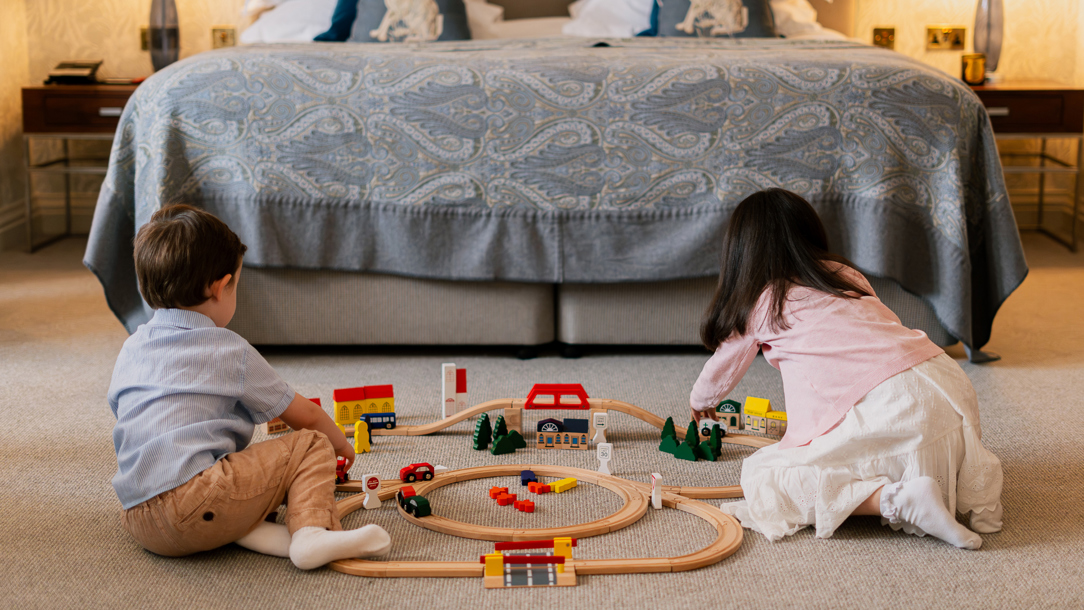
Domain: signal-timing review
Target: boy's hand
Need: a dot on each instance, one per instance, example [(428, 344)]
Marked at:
[(346, 451)]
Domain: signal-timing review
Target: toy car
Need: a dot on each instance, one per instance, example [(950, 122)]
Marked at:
[(421, 470), (341, 475), (405, 493), (418, 506), (707, 424)]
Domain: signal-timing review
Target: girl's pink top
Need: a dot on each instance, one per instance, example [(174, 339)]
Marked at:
[(835, 351)]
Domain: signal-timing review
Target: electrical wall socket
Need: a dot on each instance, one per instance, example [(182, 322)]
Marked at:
[(884, 37), (223, 36), (945, 38)]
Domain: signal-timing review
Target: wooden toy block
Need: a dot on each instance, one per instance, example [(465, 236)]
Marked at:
[(275, 426), (668, 429), (505, 499), (361, 438), (551, 395), (460, 390), (513, 418), (564, 485), (496, 491), (545, 488), (526, 506), (526, 477), (668, 445), (483, 432)]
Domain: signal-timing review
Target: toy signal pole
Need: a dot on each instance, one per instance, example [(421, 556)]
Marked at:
[(447, 390), (371, 483), (605, 452), (656, 490)]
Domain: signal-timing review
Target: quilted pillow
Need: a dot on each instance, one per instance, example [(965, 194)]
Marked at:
[(410, 21), (716, 18)]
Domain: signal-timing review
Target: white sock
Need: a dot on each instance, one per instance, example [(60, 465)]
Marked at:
[(312, 547), (987, 521), (918, 502), (268, 538)]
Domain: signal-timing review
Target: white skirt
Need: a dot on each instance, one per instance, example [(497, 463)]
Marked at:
[(921, 422)]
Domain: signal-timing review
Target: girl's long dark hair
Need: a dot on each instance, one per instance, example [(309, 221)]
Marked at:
[(774, 240)]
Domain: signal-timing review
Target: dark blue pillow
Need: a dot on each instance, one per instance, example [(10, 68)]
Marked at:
[(654, 20), (737, 19), (450, 14), (342, 20)]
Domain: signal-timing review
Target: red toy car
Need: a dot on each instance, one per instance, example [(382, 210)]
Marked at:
[(421, 470), (341, 476)]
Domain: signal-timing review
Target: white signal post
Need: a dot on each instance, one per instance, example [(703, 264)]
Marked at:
[(447, 390), (605, 452), (371, 483), (656, 490), (600, 420)]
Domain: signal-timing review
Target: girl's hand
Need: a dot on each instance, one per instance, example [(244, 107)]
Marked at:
[(698, 415)]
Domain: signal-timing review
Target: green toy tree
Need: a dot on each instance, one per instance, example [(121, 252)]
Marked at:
[(685, 452), (482, 432), (692, 435), (499, 428), (668, 445), (711, 448), (507, 443), (668, 429)]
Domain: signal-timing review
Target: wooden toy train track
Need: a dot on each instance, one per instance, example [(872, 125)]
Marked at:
[(635, 496)]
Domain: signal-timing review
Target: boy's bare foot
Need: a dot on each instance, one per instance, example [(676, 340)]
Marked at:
[(918, 502), (312, 547)]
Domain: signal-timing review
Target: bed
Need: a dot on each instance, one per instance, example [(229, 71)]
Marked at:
[(520, 192)]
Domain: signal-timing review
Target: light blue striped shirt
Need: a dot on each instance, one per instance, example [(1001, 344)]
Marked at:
[(185, 393)]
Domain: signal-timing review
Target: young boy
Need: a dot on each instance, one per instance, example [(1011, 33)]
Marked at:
[(187, 394)]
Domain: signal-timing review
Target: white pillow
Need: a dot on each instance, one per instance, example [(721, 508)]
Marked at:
[(610, 18), (291, 21), (795, 18), (487, 22), (253, 7)]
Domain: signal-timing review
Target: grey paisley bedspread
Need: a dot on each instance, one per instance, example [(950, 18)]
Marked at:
[(556, 161)]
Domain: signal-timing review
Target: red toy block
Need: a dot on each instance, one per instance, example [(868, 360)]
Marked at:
[(505, 499), (495, 492), (525, 506), (544, 489)]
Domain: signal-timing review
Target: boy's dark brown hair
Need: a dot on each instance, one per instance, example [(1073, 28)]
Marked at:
[(180, 252), (774, 240)]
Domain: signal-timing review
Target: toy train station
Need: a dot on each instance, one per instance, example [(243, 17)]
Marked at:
[(553, 433)]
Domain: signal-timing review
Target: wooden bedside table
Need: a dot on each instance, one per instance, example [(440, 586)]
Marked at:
[(1040, 110), (65, 113)]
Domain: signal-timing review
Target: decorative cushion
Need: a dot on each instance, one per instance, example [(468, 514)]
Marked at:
[(716, 18), (290, 21), (610, 18), (410, 21)]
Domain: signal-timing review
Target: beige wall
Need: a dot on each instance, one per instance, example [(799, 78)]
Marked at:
[(109, 30), (35, 35), (13, 75), (1043, 38)]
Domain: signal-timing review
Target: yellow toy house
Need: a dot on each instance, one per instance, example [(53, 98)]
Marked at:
[(759, 417), (352, 403)]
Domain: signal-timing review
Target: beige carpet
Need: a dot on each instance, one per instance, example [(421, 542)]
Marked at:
[(63, 545)]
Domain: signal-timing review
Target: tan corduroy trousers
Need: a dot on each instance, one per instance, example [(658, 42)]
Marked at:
[(228, 500)]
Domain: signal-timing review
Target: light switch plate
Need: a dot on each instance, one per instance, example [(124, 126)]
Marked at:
[(945, 38), (223, 36)]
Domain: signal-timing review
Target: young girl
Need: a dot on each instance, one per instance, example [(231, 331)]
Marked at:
[(880, 420)]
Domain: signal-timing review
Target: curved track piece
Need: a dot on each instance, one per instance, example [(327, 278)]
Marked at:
[(728, 532)]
